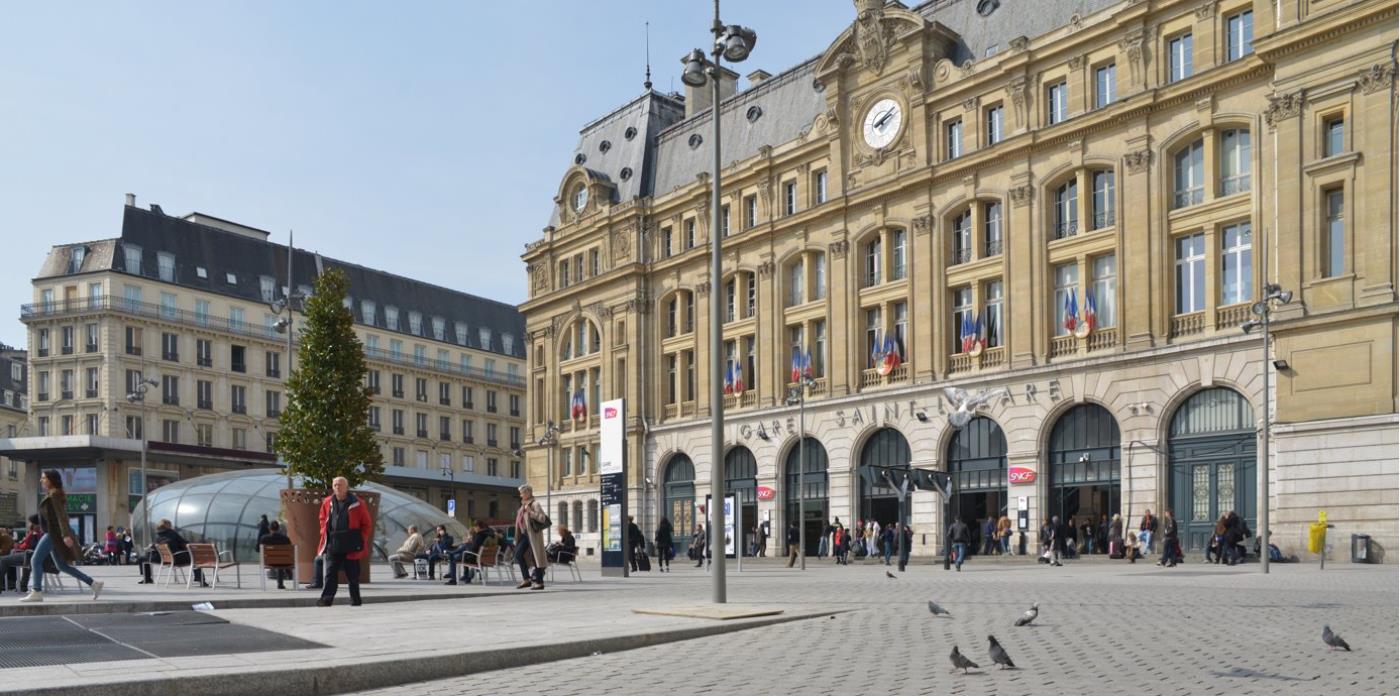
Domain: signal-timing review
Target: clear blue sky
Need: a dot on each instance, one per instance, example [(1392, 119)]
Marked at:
[(425, 138)]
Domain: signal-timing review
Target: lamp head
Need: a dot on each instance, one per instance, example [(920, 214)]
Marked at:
[(694, 72), (281, 325), (1251, 325), (736, 43)]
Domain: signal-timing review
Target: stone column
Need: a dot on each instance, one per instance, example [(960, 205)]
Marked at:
[(1134, 312), (1023, 283)]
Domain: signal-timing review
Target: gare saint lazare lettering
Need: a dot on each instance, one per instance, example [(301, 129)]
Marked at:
[(860, 416)]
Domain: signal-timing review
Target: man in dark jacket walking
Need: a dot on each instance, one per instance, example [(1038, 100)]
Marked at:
[(1169, 540), (793, 539), (636, 542), (1058, 534), (960, 536)]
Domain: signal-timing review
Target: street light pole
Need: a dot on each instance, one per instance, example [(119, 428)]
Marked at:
[(804, 383), (138, 395), (1273, 293), (547, 441)]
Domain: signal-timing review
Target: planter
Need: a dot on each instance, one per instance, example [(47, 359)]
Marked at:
[(301, 508)]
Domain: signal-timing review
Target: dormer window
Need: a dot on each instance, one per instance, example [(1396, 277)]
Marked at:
[(483, 338), (580, 197), (75, 259)]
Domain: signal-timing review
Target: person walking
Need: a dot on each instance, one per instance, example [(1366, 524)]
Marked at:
[(1115, 537), (825, 544), (794, 538), (636, 542), (1169, 540), (960, 536), (1147, 529), (906, 544), (762, 539), (665, 546), (1059, 536), (989, 535), (57, 539), (887, 541), (345, 530), (530, 523), (264, 527), (1003, 535), (838, 544)]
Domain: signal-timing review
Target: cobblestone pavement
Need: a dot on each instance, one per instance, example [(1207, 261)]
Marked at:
[(1104, 628)]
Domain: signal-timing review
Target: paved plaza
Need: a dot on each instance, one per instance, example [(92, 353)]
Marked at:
[(1104, 627)]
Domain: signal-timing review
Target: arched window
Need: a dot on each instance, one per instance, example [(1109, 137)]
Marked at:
[(1189, 174), (805, 488), (1067, 209), (1084, 463), (577, 525), (887, 448), (678, 497), (1103, 201), (582, 339), (1212, 451), (593, 515)]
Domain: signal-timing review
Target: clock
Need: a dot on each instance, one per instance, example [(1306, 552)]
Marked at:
[(882, 123)]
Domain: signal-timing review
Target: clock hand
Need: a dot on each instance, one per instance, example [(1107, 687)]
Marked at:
[(880, 122)]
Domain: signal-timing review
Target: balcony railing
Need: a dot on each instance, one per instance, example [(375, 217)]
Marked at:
[(873, 378), (1187, 197), (1061, 346), (994, 247), (1102, 338), (961, 256), (960, 362), (1188, 324), (993, 357), (1230, 185), (1065, 230), (1232, 316), (1104, 218)]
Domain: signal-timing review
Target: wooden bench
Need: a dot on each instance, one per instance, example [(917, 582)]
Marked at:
[(168, 566), (206, 556), (484, 560), (277, 557)]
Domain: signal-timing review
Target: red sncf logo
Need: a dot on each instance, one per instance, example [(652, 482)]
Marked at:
[(1020, 474), (610, 412)]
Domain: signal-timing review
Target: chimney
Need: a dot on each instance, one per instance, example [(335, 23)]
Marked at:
[(697, 99), (758, 76), (131, 200)]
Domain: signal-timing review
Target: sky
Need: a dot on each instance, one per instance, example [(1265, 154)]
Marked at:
[(422, 138)]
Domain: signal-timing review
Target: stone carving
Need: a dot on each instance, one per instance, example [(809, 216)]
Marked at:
[(970, 104), (1137, 162), (923, 224), (765, 151), (765, 191), (839, 248), (1377, 77), (1076, 21), (1020, 43), (539, 276), (702, 288), (765, 269), (1020, 195), (1017, 91), (1132, 45), (1283, 106), (1206, 11), (1076, 62), (622, 242), (833, 119), (873, 38)]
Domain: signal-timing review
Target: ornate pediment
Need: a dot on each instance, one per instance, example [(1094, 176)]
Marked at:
[(870, 40)]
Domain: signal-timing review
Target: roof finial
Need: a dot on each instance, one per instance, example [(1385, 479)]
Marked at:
[(647, 84)]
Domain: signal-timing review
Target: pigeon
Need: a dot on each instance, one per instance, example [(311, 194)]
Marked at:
[(998, 653), (934, 609), (1030, 615), (1333, 640), (890, 575), (960, 662)]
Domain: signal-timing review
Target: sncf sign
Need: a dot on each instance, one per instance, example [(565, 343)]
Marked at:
[(766, 493), (1020, 474), (609, 412)]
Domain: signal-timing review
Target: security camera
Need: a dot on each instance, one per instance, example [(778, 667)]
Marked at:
[(1084, 458)]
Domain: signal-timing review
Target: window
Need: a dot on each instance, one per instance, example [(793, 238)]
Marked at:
[(444, 393), (687, 238), (491, 434), (237, 361), (672, 375), (996, 124), (391, 318), (1190, 175), (689, 357), (273, 363), (65, 384), (1333, 134), (89, 427), (415, 323), (395, 349), (962, 237), (43, 425), (133, 340), (1105, 270), (170, 430), (874, 325), (797, 280), (131, 297), (201, 312), (672, 316), (468, 431), (204, 394), (992, 315), (467, 398), (724, 220), (90, 383), (1190, 273), (420, 421), (594, 267), (750, 211), (1066, 287), (273, 404), (44, 347), (666, 247), (789, 197), (991, 224), (398, 456), (819, 187), (1105, 85), (515, 404), (238, 398), (420, 459), (1234, 161), (1239, 35), (231, 278), (95, 295), (578, 264), (168, 309), (460, 330), (420, 354), (962, 317), (490, 401), (819, 348), (75, 258), (483, 338), (819, 276), (1067, 209), (439, 329), (445, 428), (420, 389), (1334, 243), (1103, 201), (165, 264), (90, 346), (204, 352), (469, 466), (235, 318), (1179, 58), (593, 515), (134, 427), (1237, 264), (901, 327), (132, 255), (872, 262), (367, 312), (731, 299), (267, 287), (396, 420), (66, 342), (953, 134), (1057, 102)]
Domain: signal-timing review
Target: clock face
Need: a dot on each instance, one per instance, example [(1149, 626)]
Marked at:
[(882, 123)]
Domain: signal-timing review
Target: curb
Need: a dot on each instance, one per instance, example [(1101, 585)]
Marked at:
[(123, 607), (400, 671)]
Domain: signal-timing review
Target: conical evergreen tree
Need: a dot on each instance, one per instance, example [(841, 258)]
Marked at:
[(325, 432)]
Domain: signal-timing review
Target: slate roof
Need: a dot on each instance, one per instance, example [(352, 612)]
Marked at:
[(1012, 18)]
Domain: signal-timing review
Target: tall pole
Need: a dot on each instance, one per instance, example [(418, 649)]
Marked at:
[(802, 470), (716, 527), (291, 287), (1263, 472), (145, 484)]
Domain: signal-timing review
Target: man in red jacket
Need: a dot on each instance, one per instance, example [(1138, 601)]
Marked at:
[(345, 529), (15, 558)]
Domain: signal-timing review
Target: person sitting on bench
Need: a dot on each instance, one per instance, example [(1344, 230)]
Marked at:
[(179, 553), (275, 537), (480, 534)]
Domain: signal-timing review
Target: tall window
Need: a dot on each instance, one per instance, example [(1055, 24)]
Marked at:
[(789, 197), (819, 187), (672, 374), (872, 261), (1103, 199), (1179, 58), (1234, 161), (1057, 102), (1190, 186), (165, 265), (666, 247), (1066, 285), (797, 341), (1190, 273), (1333, 135), (954, 136), (1236, 264), (1239, 35), (819, 348), (1105, 85), (1067, 209), (731, 299), (1334, 246), (873, 325), (962, 237), (1105, 269), (751, 295), (797, 281), (391, 317), (901, 328), (689, 227), (962, 316), (992, 315), (724, 220), (168, 307), (898, 255), (750, 211), (131, 254), (750, 363), (991, 232), (996, 123), (819, 276), (689, 357), (672, 316)]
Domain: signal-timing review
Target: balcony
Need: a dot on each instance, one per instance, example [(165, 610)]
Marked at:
[(130, 350), (423, 433), (1188, 197), (171, 356), (205, 361), (1061, 346), (1188, 324), (1102, 339), (1104, 218), (873, 378), (90, 394), (44, 352), (239, 367), (43, 396), (1232, 316), (1065, 230), (66, 395), (445, 366), (398, 393), (241, 409), (420, 396), (993, 357), (490, 408), (515, 413), (748, 399), (398, 430), (491, 443), (66, 350), (1231, 185), (469, 440), (993, 247), (445, 437), (960, 362), (90, 348), (960, 256), (444, 401), (205, 405)]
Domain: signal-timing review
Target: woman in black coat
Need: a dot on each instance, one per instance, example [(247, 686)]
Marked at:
[(665, 546)]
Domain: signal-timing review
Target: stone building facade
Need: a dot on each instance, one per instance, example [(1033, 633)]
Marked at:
[(962, 181)]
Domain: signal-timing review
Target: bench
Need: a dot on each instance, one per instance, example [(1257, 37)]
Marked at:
[(484, 560), (568, 559), (206, 556), (168, 567), (277, 557)]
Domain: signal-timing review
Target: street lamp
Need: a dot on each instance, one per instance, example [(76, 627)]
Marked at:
[(797, 395), (732, 43), (1273, 294), (138, 396), (450, 472), (284, 324), (548, 440)]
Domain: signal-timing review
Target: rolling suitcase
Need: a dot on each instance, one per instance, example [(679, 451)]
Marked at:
[(643, 563)]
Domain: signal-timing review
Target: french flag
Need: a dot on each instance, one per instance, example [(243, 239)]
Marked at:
[(738, 378), (1091, 310), (877, 348), (977, 337), (892, 357), (796, 366), (578, 407), (1071, 310), (966, 331), (729, 379), (807, 364)]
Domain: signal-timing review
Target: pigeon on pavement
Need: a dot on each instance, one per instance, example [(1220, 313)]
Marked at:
[(960, 662), (890, 575), (934, 609), (1333, 640), (1030, 615), (998, 653)]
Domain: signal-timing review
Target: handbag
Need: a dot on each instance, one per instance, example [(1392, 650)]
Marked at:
[(346, 541), (539, 525)]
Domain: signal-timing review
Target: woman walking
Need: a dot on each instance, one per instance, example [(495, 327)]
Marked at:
[(530, 523), (57, 539), (665, 546), (1115, 537)]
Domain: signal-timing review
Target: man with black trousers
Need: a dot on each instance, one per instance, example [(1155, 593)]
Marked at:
[(345, 530), (636, 542), (794, 538)]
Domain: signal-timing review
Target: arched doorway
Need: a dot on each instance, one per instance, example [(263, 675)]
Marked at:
[(1084, 464), (806, 489), (678, 496), (886, 448), (977, 462), (1212, 451), (741, 480)]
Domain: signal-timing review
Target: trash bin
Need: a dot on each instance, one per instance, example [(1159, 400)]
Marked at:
[(1361, 548), (1317, 534)]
